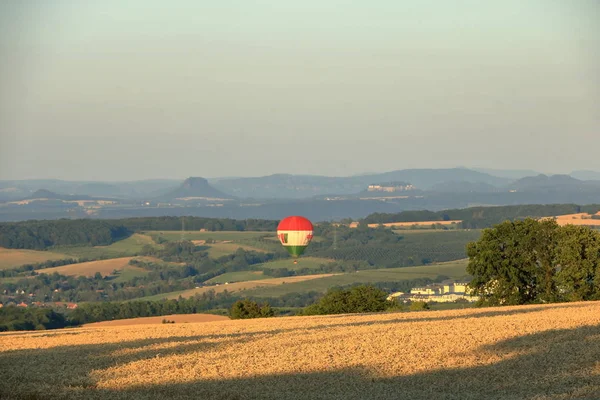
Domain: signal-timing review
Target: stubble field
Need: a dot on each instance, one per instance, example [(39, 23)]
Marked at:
[(176, 318), (11, 258), (105, 267), (530, 352)]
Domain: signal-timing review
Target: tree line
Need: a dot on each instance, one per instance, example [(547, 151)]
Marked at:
[(482, 217), (40, 235), (44, 234)]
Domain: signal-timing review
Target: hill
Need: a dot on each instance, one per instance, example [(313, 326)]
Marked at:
[(194, 189), (17, 189), (304, 186), (554, 183), (47, 194), (526, 352)]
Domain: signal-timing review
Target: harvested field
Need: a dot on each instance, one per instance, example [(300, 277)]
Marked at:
[(591, 220), (236, 287), (418, 223), (105, 267), (178, 318), (11, 258), (537, 352)]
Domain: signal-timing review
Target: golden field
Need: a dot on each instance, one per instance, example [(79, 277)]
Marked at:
[(105, 267), (177, 318), (11, 258), (578, 219), (528, 352), (417, 223)]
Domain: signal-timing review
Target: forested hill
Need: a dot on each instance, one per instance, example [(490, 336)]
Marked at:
[(483, 217), (39, 235)]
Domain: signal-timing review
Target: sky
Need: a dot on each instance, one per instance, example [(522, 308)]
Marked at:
[(142, 89)]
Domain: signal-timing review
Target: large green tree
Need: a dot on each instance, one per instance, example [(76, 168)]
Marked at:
[(512, 263), (531, 261), (578, 263)]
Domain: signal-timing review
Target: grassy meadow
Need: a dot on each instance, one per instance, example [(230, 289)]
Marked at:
[(455, 269), (234, 236), (238, 276), (303, 262), (216, 250), (537, 352), (239, 286), (123, 248)]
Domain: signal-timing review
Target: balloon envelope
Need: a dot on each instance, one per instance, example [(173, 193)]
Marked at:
[(295, 233)]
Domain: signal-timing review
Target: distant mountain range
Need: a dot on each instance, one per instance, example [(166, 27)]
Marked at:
[(304, 186), (285, 186)]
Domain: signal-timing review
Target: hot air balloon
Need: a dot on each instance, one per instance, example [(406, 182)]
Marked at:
[(295, 233)]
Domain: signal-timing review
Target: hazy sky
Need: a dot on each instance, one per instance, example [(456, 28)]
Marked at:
[(124, 89)]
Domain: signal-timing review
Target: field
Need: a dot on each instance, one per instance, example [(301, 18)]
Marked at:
[(105, 267), (451, 269), (11, 258), (123, 248), (217, 250), (238, 277), (578, 219), (537, 352), (303, 262), (128, 273), (217, 235), (417, 223), (177, 318), (239, 286)]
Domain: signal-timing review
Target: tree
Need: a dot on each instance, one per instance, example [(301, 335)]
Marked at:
[(578, 260), (533, 261), (359, 299), (512, 263), (419, 306), (245, 309)]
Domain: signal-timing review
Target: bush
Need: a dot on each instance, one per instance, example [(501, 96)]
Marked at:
[(245, 309), (419, 306), (359, 299)]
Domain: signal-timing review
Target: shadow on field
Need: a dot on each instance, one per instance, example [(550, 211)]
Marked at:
[(556, 364)]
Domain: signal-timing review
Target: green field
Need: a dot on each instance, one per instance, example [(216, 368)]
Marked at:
[(403, 232), (454, 269), (128, 273), (303, 262), (217, 250), (158, 297), (123, 248), (234, 236), (239, 276)]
